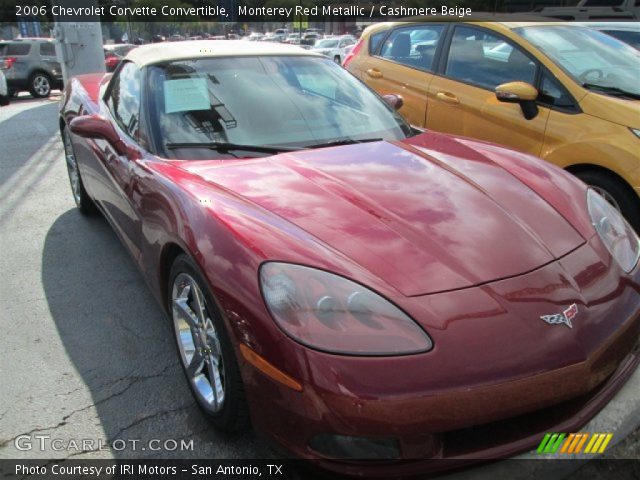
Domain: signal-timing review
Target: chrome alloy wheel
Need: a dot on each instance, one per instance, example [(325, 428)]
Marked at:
[(607, 196), (198, 342), (41, 85), (72, 167)]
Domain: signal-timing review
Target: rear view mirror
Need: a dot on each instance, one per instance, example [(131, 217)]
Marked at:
[(519, 92), (394, 101)]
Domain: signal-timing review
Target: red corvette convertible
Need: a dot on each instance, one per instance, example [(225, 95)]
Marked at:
[(354, 288)]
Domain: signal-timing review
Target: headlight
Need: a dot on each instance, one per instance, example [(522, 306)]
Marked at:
[(616, 234), (330, 313), (635, 131)]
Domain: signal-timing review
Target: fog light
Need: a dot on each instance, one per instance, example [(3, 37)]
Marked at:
[(355, 448)]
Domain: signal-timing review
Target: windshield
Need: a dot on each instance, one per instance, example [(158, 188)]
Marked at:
[(328, 43), (592, 58), (284, 101)]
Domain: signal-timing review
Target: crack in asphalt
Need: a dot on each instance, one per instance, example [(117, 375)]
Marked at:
[(68, 393), (134, 380), (152, 415)]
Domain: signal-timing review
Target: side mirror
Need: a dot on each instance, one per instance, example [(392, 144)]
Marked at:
[(394, 101), (519, 92), (95, 126)]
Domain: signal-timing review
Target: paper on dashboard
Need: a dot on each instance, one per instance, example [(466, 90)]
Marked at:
[(186, 94)]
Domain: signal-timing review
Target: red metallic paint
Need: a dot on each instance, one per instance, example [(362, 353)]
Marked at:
[(474, 241)]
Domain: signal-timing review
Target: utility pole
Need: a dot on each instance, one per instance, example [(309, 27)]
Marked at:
[(78, 40)]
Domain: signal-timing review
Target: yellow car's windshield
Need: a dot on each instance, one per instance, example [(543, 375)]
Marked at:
[(595, 60)]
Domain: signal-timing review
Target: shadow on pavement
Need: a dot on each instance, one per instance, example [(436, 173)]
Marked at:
[(121, 344)]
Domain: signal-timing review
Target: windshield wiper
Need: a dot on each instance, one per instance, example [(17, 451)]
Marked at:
[(226, 146), (344, 141), (611, 90)]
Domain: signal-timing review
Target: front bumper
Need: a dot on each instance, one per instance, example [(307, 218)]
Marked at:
[(507, 383)]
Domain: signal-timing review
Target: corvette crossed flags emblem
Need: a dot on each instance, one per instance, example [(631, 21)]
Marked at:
[(565, 317)]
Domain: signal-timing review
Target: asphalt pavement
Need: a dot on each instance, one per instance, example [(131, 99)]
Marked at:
[(86, 352)]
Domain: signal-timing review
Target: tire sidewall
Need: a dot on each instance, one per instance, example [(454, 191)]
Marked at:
[(231, 415), (86, 206)]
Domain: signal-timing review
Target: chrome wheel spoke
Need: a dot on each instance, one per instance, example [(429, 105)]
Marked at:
[(214, 371), (198, 305), (184, 312), (195, 365)]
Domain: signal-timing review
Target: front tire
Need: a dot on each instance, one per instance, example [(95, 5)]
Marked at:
[(205, 349), (80, 196), (617, 193), (40, 85)]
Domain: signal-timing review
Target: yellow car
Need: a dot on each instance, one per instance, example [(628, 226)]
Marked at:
[(563, 92)]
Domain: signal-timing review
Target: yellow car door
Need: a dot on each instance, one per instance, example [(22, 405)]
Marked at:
[(463, 101), (402, 65)]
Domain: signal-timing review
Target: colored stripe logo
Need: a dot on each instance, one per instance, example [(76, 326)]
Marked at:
[(574, 443)]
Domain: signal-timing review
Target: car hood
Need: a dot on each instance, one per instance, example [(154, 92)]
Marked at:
[(422, 221), (622, 111)]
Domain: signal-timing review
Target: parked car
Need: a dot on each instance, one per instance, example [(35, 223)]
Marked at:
[(4, 90), (254, 36), (627, 32), (270, 37), (594, 10), (310, 38), (114, 53), (575, 103), (293, 39), (347, 51), (31, 64), (334, 47), (356, 288)]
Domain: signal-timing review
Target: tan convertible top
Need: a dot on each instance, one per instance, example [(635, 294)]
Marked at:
[(171, 51)]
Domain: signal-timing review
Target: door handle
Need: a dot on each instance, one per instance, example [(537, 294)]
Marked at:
[(447, 97), (374, 73)]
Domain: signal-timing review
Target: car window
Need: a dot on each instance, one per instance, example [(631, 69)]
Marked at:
[(293, 101), (328, 43), (18, 49), (123, 98), (348, 41), (552, 93), (486, 60), (375, 40), (413, 46), (47, 49)]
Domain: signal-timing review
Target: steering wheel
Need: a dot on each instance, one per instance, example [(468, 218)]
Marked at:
[(584, 75)]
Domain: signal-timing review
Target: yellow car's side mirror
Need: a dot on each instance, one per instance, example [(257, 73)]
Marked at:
[(519, 92)]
